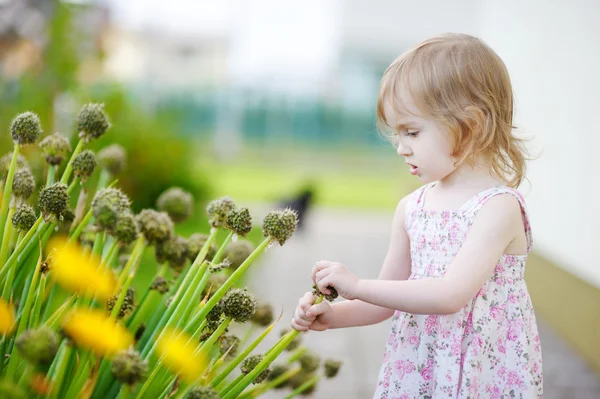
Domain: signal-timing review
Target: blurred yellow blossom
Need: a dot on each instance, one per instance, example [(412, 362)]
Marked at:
[(180, 355), (78, 271), (7, 317), (93, 329)]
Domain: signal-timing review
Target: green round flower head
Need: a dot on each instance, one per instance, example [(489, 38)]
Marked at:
[(331, 367), (23, 183), (55, 148), (24, 217), (214, 282), (126, 306), (128, 367), (213, 318), (161, 285), (179, 204), (5, 163), (92, 121), (107, 204), (295, 342), (113, 158), (310, 361), (229, 343), (299, 379), (68, 215), (84, 164), (263, 315), (217, 211), (330, 297), (38, 346), (249, 363), (155, 226), (25, 128), (202, 392), (9, 390), (237, 252), (126, 230), (277, 371), (172, 250), (239, 304), (239, 221), (280, 225), (195, 243), (54, 200)]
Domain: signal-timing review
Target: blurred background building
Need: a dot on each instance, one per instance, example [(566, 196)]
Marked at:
[(255, 98)]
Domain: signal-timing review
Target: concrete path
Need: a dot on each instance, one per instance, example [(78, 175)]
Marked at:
[(359, 240)]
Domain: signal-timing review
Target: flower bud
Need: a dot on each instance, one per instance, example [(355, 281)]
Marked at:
[(249, 363), (195, 243), (24, 217), (330, 297), (214, 282), (38, 346), (107, 204), (331, 367), (112, 158), (88, 235), (217, 211), (54, 200), (179, 204), (309, 361), (172, 250), (280, 225), (229, 343), (239, 221), (155, 226), (277, 371), (92, 121), (128, 367), (126, 306), (237, 252), (25, 128), (126, 229), (161, 285), (263, 315), (5, 163), (23, 183), (203, 392), (239, 305), (54, 148), (299, 379), (84, 164), (295, 342)]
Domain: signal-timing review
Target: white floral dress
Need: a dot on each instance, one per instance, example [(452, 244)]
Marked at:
[(491, 347)]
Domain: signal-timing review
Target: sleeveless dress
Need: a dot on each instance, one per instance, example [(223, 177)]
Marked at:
[(491, 347)]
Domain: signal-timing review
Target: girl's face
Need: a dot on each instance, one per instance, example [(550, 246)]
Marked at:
[(425, 146)]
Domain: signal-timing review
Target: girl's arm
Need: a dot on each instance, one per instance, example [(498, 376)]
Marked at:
[(396, 266), (497, 224)]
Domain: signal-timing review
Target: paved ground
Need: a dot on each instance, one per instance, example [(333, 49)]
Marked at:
[(360, 240)]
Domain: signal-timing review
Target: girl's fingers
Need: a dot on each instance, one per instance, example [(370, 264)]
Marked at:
[(323, 264), (316, 310), (321, 275), (323, 284)]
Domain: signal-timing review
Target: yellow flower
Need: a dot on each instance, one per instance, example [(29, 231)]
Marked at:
[(7, 317), (93, 329), (78, 271), (180, 355)]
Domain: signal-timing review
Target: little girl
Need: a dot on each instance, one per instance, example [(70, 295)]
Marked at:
[(463, 325)]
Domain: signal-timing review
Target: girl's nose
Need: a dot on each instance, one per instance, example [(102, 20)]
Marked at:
[(402, 149)]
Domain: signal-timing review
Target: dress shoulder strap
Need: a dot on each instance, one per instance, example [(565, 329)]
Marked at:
[(415, 202), (479, 200)]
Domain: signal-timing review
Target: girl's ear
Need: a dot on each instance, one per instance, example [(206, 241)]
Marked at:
[(476, 119)]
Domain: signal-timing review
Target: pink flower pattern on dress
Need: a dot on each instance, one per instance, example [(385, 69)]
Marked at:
[(488, 349)]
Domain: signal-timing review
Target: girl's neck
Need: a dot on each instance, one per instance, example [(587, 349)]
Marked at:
[(467, 177)]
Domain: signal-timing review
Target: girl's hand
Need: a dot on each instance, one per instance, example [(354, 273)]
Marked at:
[(326, 274), (312, 317)]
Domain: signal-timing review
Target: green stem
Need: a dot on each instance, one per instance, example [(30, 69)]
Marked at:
[(264, 387), (69, 169), (138, 249), (84, 222), (37, 306), (304, 387), (296, 354), (129, 272), (25, 242), (54, 320), (207, 346), (50, 176), (8, 227), (8, 187), (229, 387)]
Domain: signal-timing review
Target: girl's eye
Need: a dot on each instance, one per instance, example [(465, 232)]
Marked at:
[(412, 134)]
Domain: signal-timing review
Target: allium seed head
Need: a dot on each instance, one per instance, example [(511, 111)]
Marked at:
[(24, 217), (172, 250), (215, 281), (218, 209), (238, 251), (113, 158), (92, 121), (155, 226), (239, 304), (299, 379), (280, 225), (226, 342), (126, 230), (84, 164), (160, 285), (55, 148), (5, 163), (202, 392), (25, 128), (179, 204), (107, 205), (239, 221), (277, 371), (23, 183), (330, 297), (309, 361), (249, 363), (128, 367), (54, 200), (331, 367), (195, 243), (126, 307), (263, 315)]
